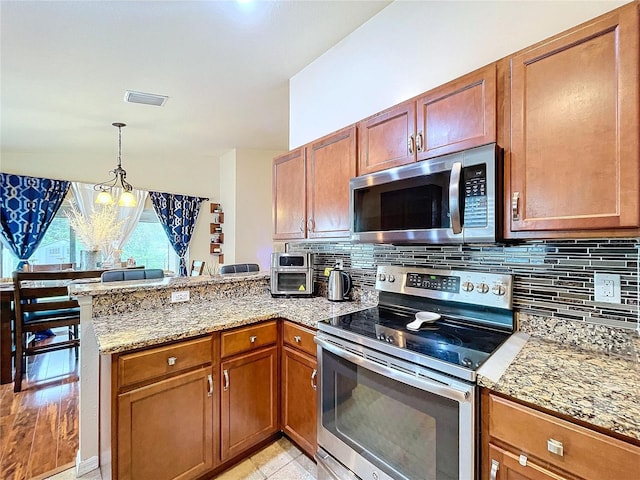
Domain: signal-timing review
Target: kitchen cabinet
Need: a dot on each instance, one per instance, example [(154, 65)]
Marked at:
[(311, 188), (573, 162), (458, 115), (524, 443), (387, 139), (249, 402), (289, 196), (164, 411), (298, 385)]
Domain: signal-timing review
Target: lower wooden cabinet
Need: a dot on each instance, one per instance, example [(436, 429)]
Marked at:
[(299, 401), (524, 443), (249, 404), (165, 430)]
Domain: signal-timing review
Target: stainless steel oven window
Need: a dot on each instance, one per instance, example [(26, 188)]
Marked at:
[(374, 419)]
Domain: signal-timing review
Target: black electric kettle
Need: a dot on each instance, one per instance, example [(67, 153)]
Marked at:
[(339, 285)]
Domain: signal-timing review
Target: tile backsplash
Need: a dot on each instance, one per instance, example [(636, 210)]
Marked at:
[(552, 278)]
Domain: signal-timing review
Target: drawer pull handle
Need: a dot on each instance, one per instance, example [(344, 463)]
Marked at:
[(210, 380), (253, 338), (313, 377), (225, 373), (297, 339), (522, 460), (495, 466), (515, 206), (172, 361), (555, 447)]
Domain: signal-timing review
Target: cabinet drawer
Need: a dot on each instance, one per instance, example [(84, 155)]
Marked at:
[(585, 453), (248, 338), (156, 362), (299, 337)]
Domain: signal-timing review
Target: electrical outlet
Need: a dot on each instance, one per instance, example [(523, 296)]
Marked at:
[(607, 287), (182, 296)]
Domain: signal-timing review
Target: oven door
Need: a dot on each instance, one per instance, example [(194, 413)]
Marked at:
[(385, 418)]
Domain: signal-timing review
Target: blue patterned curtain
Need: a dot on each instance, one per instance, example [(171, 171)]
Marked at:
[(178, 215), (27, 206)]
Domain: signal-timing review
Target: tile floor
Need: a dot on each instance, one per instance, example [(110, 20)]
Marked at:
[(279, 461)]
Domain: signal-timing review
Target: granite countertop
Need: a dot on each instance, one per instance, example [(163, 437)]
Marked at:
[(597, 388), (94, 287), (121, 332)]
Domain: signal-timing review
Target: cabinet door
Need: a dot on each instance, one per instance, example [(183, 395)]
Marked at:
[(165, 430), (458, 115), (331, 162), (505, 465), (387, 139), (299, 403), (574, 125), (289, 196), (249, 410)]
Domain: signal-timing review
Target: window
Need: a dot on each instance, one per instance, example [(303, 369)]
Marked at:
[(148, 244)]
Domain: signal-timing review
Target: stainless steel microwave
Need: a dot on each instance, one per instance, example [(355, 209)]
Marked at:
[(291, 274), (455, 198)]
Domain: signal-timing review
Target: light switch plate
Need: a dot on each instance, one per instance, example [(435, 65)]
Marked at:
[(607, 287)]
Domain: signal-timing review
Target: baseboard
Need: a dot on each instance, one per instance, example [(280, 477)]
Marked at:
[(85, 466)]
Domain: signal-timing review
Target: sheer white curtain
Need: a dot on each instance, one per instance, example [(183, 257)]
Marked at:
[(85, 197)]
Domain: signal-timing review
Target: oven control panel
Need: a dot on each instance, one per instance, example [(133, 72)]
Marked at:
[(478, 288), (429, 281)]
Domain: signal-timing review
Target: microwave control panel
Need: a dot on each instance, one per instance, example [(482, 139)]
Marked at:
[(475, 196)]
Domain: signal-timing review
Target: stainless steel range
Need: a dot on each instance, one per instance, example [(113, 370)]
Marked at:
[(397, 396)]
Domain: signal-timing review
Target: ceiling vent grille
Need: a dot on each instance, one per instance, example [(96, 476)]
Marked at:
[(145, 98)]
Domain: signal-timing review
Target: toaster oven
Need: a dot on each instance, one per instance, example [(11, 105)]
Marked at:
[(291, 274)]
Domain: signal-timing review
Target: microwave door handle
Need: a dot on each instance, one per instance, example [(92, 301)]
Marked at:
[(454, 197)]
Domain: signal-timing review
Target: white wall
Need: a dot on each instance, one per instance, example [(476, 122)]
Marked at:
[(411, 47), (245, 194)]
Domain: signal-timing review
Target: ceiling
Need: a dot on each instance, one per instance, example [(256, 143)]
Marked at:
[(225, 65)]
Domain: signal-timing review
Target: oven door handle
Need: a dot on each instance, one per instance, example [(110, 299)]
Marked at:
[(432, 386)]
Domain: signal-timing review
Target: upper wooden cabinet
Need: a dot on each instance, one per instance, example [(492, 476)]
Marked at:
[(311, 188), (289, 196), (574, 104), (387, 139), (331, 162), (458, 115)]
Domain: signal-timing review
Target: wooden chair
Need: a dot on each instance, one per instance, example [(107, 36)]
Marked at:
[(42, 302), (48, 267), (239, 268), (197, 268)]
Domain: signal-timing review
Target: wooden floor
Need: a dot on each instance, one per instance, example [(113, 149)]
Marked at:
[(39, 426)]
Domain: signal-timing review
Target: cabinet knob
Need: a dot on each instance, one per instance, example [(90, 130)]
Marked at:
[(253, 338), (297, 339), (172, 361), (555, 447)]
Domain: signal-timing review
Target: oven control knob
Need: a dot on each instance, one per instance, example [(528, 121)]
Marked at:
[(381, 337), (391, 278), (390, 339), (382, 277), (499, 289), (467, 286), (482, 288), (466, 361)]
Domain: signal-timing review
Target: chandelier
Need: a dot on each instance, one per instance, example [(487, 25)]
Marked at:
[(127, 199)]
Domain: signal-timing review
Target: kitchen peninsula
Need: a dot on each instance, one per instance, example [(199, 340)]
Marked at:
[(135, 323)]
